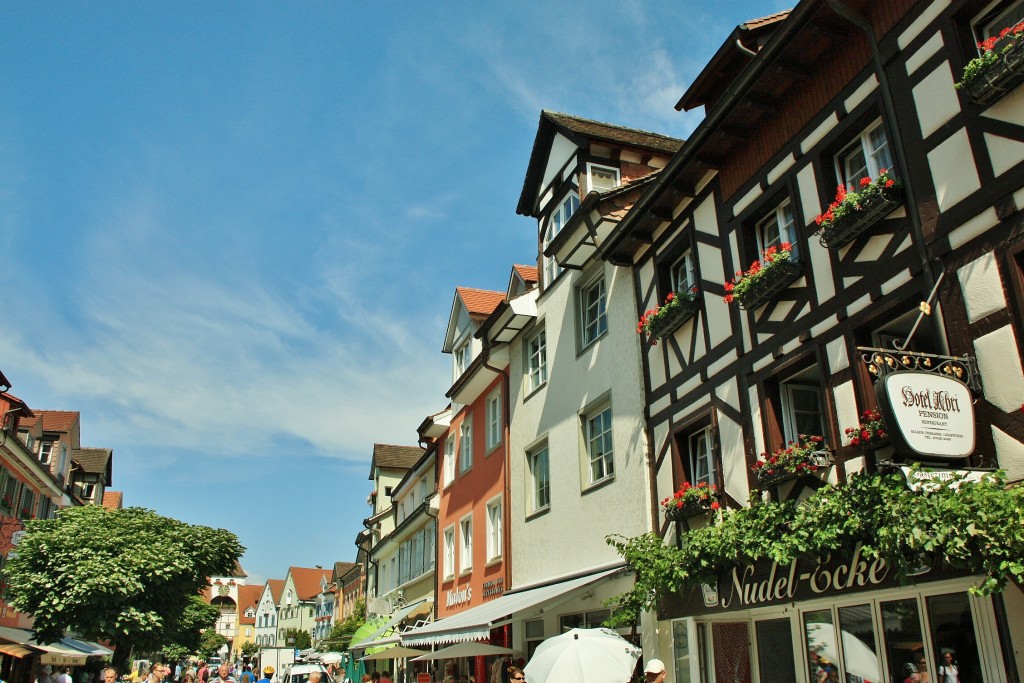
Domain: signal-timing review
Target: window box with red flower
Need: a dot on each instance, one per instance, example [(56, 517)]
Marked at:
[(661, 321), (691, 500), (804, 457), (851, 213), (999, 69), (870, 433), (765, 279), (372, 498)]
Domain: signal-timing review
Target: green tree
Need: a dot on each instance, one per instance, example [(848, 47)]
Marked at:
[(250, 648), (210, 642), (341, 633), (298, 638), (126, 576)]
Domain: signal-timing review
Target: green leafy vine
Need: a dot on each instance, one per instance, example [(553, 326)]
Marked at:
[(976, 527)]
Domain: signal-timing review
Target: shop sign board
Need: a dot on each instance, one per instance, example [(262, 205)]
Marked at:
[(55, 659), (930, 480), (768, 583), (928, 416)]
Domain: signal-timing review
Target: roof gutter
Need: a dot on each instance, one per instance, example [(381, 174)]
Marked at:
[(796, 20)]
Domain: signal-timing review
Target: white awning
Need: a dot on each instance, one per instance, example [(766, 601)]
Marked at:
[(476, 623), (383, 635)]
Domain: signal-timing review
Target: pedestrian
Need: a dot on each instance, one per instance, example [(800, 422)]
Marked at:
[(203, 672), (246, 676), (45, 674), (268, 673), (224, 674), (110, 675), (157, 673), (64, 676), (314, 677), (654, 671), (948, 670)]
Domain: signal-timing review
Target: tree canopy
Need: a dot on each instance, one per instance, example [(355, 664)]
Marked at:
[(128, 576), (341, 633)]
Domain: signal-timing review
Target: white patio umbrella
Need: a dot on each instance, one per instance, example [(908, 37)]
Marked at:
[(332, 657), (594, 655)]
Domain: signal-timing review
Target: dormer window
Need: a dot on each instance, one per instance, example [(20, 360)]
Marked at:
[(602, 178), (45, 452), (462, 357), (559, 217)]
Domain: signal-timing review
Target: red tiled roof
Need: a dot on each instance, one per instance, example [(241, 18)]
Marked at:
[(53, 420), (276, 586), (763, 21), (307, 581), (113, 500), (248, 596), (528, 273), (17, 403), (480, 302)]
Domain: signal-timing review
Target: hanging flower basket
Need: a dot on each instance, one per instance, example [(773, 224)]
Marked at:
[(690, 501), (768, 286), (999, 70), (662, 321), (851, 213), (803, 457), (870, 434)]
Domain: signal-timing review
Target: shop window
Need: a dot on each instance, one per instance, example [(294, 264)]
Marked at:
[(775, 651), (903, 641), (730, 643), (954, 647), (681, 651), (865, 156), (583, 620), (534, 632)]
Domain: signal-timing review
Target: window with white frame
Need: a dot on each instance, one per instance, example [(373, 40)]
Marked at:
[(601, 178), (449, 460), (449, 552), (593, 314), (493, 414), (559, 217), (45, 452), (598, 426), (865, 157), (803, 406), (494, 538), (699, 458), (466, 444), (998, 16), (462, 357), (540, 478), (683, 274), (777, 227), (88, 490), (466, 544), (537, 360)]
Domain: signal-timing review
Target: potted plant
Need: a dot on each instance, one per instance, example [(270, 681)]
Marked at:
[(765, 278), (691, 500), (870, 433), (853, 212), (804, 456), (999, 69), (372, 498), (661, 321)]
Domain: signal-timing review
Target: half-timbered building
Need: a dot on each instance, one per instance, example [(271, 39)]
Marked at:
[(929, 266)]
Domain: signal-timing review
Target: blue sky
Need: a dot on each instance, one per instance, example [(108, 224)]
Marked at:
[(232, 231)]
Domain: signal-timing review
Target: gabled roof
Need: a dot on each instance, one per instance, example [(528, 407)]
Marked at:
[(248, 596), (479, 302), (394, 457), (276, 587), (307, 581), (94, 460), (113, 500), (581, 131), (528, 273), (18, 406), (53, 420), (730, 59), (340, 569)]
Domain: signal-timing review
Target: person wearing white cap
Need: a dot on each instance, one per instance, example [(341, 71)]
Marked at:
[(654, 671)]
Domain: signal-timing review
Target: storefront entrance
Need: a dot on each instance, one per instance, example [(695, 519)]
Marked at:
[(933, 633)]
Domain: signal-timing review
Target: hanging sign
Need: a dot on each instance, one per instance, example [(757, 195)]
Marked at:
[(928, 416), (56, 659)]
